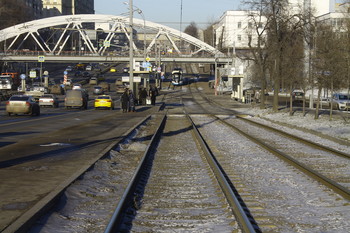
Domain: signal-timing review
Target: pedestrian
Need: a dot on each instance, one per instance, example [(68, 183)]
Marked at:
[(131, 101), (125, 100), (143, 96), (153, 94)]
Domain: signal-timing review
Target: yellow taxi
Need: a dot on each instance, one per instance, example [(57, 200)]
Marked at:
[(104, 101), (112, 69)]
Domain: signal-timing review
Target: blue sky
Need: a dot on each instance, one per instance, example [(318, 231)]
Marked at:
[(168, 12)]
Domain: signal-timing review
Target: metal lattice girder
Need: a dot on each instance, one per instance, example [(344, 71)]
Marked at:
[(76, 21)]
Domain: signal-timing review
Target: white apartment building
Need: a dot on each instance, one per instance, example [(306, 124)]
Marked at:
[(318, 7), (235, 29)]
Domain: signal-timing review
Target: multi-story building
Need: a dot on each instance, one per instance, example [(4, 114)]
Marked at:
[(234, 30), (67, 7), (336, 18), (35, 7)]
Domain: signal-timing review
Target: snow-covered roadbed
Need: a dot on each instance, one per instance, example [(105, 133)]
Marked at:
[(286, 200)]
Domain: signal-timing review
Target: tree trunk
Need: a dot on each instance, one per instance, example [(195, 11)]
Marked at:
[(318, 102)]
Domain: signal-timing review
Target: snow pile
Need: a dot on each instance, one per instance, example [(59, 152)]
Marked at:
[(337, 127)]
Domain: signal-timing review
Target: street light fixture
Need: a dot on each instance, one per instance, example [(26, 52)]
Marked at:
[(140, 12), (131, 46)]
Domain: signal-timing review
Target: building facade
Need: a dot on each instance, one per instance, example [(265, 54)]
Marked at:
[(36, 7), (235, 29), (67, 7)]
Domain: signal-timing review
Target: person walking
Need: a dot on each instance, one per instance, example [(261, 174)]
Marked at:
[(125, 100), (153, 92), (143, 96), (131, 101)]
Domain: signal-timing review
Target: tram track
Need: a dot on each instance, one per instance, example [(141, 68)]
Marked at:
[(326, 164), (192, 172), (180, 190), (330, 170)]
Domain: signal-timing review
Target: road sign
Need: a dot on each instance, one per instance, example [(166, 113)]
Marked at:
[(41, 58), (65, 72), (148, 59), (32, 74), (22, 76), (106, 43)]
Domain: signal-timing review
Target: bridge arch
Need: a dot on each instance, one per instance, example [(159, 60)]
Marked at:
[(62, 28)]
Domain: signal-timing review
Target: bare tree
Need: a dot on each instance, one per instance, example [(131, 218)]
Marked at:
[(192, 30), (329, 64), (278, 51)]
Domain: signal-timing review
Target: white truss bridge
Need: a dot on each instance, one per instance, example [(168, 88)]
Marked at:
[(53, 39)]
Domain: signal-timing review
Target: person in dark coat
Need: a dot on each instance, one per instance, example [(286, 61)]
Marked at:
[(153, 92), (131, 101), (125, 100), (143, 96)]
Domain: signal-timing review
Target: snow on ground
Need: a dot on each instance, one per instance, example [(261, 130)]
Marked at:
[(337, 127)]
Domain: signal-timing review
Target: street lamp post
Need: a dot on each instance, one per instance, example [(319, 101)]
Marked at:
[(144, 33), (131, 47)]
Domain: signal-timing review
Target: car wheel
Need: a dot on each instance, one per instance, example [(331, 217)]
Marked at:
[(9, 114), (38, 112)]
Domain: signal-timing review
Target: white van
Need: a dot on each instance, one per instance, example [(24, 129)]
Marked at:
[(341, 101)]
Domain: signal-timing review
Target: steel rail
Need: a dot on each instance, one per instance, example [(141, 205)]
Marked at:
[(305, 141), (26, 220), (341, 190), (246, 222), (117, 216)]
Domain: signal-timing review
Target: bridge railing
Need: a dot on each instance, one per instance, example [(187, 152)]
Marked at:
[(26, 52)]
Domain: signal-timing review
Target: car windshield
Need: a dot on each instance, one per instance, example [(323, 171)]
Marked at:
[(104, 97), (343, 97), (20, 98), (46, 96)]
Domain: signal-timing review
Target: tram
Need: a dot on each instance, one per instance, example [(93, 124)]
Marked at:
[(177, 78)]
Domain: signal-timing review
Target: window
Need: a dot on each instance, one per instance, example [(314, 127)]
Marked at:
[(239, 37), (239, 25), (250, 25)]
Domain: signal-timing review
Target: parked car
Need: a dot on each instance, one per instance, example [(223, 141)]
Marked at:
[(76, 99), (93, 81), (69, 68), (78, 73), (48, 100), (88, 68), (86, 74), (69, 82), (105, 86), (104, 101), (27, 88), (25, 104), (98, 90), (126, 70), (297, 94), (325, 102), (341, 101), (77, 86)]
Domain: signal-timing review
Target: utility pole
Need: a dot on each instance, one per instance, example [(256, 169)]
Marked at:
[(307, 50), (131, 46)]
